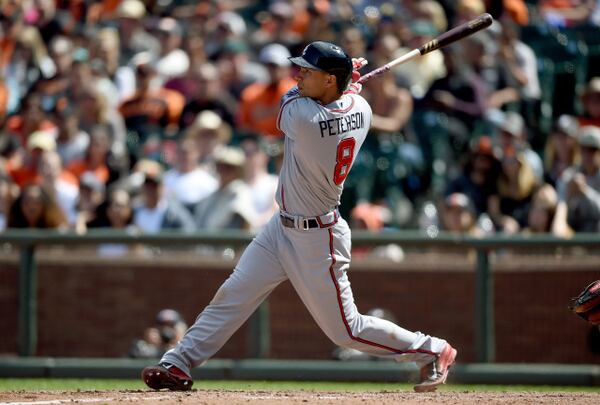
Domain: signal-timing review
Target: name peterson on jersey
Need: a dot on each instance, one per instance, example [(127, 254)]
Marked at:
[(321, 144), (343, 124)]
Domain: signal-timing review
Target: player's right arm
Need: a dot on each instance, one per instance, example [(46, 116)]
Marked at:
[(290, 111)]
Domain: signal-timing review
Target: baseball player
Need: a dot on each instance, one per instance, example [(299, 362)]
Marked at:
[(325, 122)]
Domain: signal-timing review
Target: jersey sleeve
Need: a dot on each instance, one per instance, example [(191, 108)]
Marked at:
[(291, 94), (289, 112)]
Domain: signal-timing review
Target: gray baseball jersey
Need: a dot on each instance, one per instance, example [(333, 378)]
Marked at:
[(320, 145)]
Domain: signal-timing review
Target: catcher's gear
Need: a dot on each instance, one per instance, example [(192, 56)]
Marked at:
[(587, 303)]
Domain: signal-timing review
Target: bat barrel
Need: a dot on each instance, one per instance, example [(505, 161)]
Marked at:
[(457, 33), (448, 37)]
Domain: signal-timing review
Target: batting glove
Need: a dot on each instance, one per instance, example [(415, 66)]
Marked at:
[(355, 87)]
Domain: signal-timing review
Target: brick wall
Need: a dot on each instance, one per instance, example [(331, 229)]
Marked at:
[(94, 308)]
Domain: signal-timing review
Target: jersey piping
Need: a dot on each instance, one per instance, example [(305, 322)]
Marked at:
[(343, 314)]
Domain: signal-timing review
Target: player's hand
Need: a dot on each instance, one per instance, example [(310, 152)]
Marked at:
[(355, 87), (357, 64)]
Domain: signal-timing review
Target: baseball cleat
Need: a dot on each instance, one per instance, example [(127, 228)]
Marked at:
[(167, 376), (436, 372)]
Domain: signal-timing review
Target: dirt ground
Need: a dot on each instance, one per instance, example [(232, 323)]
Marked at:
[(221, 397)]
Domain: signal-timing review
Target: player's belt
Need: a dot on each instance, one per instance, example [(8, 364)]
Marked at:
[(306, 223)]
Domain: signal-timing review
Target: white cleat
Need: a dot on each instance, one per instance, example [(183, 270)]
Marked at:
[(436, 372)]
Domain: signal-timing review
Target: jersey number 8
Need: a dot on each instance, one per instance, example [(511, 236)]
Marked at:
[(345, 153)]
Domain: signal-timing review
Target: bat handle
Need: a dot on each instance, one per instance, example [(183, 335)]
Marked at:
[(374, 73)]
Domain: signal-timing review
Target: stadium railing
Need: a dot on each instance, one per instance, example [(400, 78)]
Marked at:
[(28, 240)]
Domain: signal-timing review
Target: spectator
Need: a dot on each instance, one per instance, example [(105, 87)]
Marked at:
[(72, 141), (280, 24), (107, 48), (513, 135), (116, 213), (153, 110), (172, 61), (133, 37), (4, 99), (35, 208), (229, 207), (457, 215), (92, 193), (432, 11), (93, 110), (542, 210), (466, 10), (420, 73), (259, 103), (209, 94), (210, 132), (518, 62), (96, 156), (263, 184), (561, 150), (389, 144), (167, 330), (516, 185), (45, 16), (392, 105), (155, 212), (189, 182), (29, 119), (479, 176), (53, 88), (8, 193), (230, 26), (319, 27), (518, 11), (578, 189), (38, 144), (186, 84), (60, 184), (565, 13), (93, 76), (353, 41), (236, 68), (458, 105), (591, 103), (454, 94)]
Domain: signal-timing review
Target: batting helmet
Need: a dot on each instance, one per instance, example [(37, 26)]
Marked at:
[(329, 58)]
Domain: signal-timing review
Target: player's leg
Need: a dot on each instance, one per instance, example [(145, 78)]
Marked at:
[(257, 273), (316, 265)]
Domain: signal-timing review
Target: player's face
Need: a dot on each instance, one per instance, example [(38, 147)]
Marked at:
[(311, 83)]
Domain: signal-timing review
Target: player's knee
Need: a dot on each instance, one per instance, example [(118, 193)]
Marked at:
[(345, 341), (224, 293)]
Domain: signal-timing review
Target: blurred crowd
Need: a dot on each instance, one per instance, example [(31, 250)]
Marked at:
[(160, 115)]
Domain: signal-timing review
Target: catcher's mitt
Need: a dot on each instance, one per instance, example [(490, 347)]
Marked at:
[(587, 304)]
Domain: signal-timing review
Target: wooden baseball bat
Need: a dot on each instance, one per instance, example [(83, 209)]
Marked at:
[(448, 37)]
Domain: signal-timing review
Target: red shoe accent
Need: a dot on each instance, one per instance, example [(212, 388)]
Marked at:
[(436, 372), (172, 378)]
